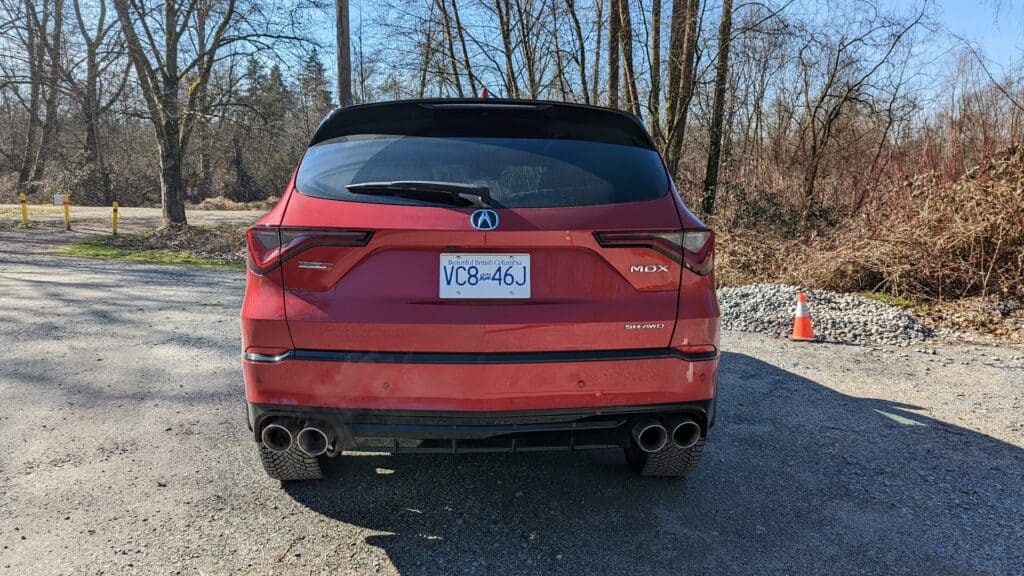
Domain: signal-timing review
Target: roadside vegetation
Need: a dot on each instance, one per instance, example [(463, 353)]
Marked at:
[(221, 247)]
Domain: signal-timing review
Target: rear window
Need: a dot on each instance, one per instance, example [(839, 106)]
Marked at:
[(518, 172), (527, 154)]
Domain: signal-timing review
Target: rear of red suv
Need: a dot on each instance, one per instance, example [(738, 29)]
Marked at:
[(475, 276)]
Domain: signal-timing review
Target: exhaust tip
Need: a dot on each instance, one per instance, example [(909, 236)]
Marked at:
[(685, 432), (276, 437), (313, 441), (650, 436)]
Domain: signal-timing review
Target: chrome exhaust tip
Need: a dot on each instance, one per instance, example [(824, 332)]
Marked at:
[(313, 441), (650, 435), (277, 437), (685, 432)]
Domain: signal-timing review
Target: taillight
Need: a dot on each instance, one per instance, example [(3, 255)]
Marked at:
[(269, 246), (694, 249), (699, 251)]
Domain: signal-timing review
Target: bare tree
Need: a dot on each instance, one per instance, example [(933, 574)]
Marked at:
[(99, 56), (580, 52), (717, 115), (173, 51), (654, 96), (614, 38), (682, 54), (626, 45), (344, 46)]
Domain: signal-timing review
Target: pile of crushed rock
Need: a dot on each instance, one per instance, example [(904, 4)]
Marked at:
[(837, 317)]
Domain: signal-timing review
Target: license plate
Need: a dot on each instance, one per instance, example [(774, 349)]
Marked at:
[(485, 276)]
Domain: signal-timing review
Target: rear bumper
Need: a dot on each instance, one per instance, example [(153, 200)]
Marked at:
[(465, 432), (491, 383)]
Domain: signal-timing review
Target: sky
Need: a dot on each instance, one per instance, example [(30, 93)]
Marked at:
[(995, 25)]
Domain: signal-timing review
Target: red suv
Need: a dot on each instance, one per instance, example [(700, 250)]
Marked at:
[(476, 276)]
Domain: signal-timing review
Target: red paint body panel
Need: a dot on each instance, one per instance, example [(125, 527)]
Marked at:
[(492, 387), (384, 296)]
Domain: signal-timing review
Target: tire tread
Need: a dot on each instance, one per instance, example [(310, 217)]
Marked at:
[(670, 462), (290, 465)]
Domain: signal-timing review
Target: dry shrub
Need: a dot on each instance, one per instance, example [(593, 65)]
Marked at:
[(225, 242), (957, 240), (935, 241), (224, 203)]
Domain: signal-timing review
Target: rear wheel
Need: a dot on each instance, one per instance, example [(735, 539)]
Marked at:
[(290, 465), (671, 461)]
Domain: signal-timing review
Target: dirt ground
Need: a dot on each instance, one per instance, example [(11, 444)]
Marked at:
[(123, 449)]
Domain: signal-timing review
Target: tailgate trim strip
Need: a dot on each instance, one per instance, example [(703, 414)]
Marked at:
[(485, 358)]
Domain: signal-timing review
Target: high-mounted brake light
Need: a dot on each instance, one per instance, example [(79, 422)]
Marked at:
[(694, 249), (269, 246)]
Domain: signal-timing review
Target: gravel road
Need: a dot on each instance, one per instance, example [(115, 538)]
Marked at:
[(123, 450)]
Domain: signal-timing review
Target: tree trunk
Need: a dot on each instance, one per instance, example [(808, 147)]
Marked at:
[(581, 49), (449, 38), (53, 56), (35, 63), (654, 97), (344, 53), (614, 23), (172, 191), (465, 52), (626, 45), (595, 82), (504, 17), (677, 126), (718, 110), (677, 30)]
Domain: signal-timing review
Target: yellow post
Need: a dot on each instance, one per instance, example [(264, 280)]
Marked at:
[(24, 210), (114, 220), (67, 212)]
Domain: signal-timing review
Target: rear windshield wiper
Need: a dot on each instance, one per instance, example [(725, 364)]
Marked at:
[(426, 190)]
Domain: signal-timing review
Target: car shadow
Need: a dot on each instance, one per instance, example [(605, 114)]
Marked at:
[(797, 478)]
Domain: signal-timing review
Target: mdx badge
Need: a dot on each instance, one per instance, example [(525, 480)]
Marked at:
[(484, 219), (649, 268)]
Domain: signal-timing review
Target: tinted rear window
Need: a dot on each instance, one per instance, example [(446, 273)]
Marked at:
[(518, 172), (527, 154)]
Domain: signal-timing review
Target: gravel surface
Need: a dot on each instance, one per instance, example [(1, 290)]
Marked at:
[(840, 318), (123, 450)]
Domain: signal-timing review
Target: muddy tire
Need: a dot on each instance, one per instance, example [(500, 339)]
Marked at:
[(290, 465), (670, 462)]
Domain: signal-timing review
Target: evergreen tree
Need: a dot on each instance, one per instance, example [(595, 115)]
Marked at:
[(315, 89)]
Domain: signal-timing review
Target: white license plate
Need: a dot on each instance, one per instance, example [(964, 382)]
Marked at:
[(485, 276)]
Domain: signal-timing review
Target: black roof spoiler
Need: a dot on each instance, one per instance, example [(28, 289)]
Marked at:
[(483, 117)]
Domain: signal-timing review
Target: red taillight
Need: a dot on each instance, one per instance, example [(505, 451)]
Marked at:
[(264, 245), (699, 251), (694, 249), (270, 246)]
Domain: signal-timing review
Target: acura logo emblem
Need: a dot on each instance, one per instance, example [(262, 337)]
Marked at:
[(484, 219)]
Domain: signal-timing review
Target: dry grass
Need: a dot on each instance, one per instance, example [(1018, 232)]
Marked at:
[(220, 246), (955, 248), (223, 203), (935, 241)]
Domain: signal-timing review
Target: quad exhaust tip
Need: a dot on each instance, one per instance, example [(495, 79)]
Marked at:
[(685, 432), (277, 437), (650, 435), (313, 441)]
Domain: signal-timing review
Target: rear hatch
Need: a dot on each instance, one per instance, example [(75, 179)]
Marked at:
[(569, 238)]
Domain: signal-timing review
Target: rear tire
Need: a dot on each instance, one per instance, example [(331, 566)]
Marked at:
[(290, 465), (669, 462)]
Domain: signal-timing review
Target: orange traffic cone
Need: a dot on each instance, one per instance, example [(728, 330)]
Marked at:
[(802, 329)]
